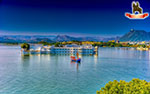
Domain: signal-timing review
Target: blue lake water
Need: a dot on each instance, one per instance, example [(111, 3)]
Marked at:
[(55, 74)]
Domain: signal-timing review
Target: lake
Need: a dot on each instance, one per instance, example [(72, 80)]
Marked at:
[(55, 74)]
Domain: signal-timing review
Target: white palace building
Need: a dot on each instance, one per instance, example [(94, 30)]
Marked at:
[(67, 49)]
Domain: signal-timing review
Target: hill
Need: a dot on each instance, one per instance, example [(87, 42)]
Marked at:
[(61, 38), (136, 35)]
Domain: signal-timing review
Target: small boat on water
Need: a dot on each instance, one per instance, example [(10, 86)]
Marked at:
[(73, 58)]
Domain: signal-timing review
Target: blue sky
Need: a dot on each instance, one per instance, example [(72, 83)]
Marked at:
[(72, 17)]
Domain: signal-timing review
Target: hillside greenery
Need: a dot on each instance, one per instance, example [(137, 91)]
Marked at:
[(136, 86)]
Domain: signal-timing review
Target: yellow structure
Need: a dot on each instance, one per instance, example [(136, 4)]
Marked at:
[(111, 40), (143, 42)]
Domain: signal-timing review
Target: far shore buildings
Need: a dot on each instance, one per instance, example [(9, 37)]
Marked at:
[(67, 49)]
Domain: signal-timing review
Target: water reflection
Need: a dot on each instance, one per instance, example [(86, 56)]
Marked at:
[(149, 55), (77, 64), (126, 48), (25, 60), (95, 58)]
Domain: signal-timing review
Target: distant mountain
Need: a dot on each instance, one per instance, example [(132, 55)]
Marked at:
[(24, 38), (50, 39), (41, 39), (136, 35), (133, 35), (106, 39), (61, 38)]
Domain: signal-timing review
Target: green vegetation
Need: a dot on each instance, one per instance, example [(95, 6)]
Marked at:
[(9, 44), (44, 43), (107, 44), (136, 86), (99, 44), (58, 44), (93, 43), (25, 46), (144, 46)]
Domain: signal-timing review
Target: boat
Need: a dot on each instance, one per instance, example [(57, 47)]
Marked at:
[(73, 58)]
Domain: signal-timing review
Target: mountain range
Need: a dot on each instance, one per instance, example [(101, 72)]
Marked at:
[(133, 35), (61, 38), (24, 38), (50, 39)]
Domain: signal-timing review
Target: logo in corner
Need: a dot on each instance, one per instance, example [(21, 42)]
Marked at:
[(137, 12)]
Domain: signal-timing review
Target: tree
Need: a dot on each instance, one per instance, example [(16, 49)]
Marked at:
[(136, 86), (44, 43), (25, 46), (144, 46), (58, 44)]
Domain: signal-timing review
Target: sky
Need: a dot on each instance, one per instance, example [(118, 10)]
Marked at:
[(71, 17)]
